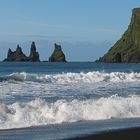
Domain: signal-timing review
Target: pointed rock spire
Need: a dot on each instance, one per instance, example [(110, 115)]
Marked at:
[(18, 50), (57, 55), (17, 55), (34, 55)]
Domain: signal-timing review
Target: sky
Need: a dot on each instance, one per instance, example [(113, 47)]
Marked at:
[(87, 26)]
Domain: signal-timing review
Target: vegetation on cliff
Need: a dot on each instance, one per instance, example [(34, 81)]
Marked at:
[(127, 49)]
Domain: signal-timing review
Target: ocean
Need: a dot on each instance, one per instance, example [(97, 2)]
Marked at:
[(53, 101)]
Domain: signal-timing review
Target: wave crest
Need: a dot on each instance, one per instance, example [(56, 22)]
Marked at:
[(40, 112), (89, 77)]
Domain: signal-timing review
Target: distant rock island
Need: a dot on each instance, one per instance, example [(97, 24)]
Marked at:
[(57, 55), (34, 55), (19, 56), (127, 49)]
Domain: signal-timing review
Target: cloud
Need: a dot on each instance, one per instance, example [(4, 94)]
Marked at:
[(66, 26), (29, 30)]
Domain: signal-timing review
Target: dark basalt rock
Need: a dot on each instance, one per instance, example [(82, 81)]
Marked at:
[(34, 55), (57, 55), (19, 56), (127, 49), (118, 58)]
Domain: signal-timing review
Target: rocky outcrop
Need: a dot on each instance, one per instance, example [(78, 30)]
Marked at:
[(34, 55), (57, 55), (19, 56), (127, 49)]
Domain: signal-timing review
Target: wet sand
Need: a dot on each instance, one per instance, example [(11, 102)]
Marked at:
[(122, 134), (99, 130)]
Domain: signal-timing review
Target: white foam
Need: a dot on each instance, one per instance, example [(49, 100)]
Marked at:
[(40, 112), (89, 77)]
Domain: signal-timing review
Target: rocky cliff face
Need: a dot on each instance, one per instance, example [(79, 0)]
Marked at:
[(19, 56), (57, 55), (127, 49)]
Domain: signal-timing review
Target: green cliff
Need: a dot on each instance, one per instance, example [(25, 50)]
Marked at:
[(127, 49)]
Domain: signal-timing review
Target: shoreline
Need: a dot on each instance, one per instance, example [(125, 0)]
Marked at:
[(122, 129), (121, 134)]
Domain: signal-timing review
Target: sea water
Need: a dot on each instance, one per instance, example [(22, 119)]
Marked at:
[(78, 98)]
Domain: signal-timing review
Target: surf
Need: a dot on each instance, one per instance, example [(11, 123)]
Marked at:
[(89, 77), (40, 112)]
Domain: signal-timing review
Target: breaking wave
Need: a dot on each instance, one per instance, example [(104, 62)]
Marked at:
[(40, 112), (89, 77)]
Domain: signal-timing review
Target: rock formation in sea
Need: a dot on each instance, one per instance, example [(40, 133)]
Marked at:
[(126, 49), (19, 56), (34, 55), (57, 55)]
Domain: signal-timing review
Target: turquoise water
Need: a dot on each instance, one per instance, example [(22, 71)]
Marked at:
[(47, 96)]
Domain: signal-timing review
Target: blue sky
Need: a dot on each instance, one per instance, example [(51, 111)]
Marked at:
[(66, 21)]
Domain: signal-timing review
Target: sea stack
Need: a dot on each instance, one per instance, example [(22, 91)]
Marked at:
[(34, 55), (57, 55), (19, 56), (126, 49)]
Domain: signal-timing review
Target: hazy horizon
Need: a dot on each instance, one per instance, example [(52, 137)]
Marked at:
[(71, 49)]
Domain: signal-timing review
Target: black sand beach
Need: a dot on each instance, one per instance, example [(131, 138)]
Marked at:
[(122, 129), (123, 134)]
